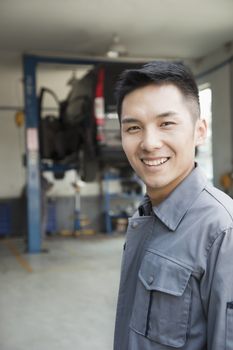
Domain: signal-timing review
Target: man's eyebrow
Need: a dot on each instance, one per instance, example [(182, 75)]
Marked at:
[(127, 120), (167, 114)]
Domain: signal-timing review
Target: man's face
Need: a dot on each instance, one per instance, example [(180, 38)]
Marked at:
[(159, 136)]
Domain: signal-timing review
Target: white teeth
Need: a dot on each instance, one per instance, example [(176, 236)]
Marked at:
[(155, 162)]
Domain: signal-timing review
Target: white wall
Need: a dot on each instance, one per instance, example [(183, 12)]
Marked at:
[(221, 122), (220, 81), (12, 173)]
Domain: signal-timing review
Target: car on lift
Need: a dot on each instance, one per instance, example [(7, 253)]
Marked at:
[(85, 134)]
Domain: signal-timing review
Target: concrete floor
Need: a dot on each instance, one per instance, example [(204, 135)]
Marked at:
[(61, 300)]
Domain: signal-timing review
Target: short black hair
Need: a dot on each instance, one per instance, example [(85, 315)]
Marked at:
[(158, 73)]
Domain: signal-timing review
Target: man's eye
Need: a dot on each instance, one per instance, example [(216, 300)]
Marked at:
[(133, 128), (167, 123)]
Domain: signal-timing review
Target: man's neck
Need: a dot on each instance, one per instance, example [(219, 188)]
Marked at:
[(158, 195)]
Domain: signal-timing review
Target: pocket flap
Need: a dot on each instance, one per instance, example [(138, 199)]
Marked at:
[(164, 275)]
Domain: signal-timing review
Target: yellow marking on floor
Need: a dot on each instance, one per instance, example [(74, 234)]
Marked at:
[(22, 262)]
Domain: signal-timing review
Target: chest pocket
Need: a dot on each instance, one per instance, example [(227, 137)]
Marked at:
[(162, 301)]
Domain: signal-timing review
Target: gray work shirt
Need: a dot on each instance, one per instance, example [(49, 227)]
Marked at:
[(176, 288)]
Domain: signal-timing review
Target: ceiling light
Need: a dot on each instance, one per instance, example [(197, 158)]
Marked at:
[(116, 49)]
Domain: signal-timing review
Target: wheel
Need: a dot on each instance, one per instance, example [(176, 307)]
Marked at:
[(88, 167), (59, 175)]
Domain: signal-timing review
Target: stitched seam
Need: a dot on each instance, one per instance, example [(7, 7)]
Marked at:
[(175, 260), (148, 315), (211, 194), (218, 234)]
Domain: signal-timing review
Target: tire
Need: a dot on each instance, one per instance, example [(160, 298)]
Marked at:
[(59, 175), (88, 167)]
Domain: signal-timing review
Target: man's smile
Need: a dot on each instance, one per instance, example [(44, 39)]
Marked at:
[(154, 161)]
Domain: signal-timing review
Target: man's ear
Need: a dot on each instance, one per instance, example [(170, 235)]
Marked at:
[(200, 132)]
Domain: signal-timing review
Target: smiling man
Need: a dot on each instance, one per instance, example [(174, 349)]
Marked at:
[(176, 288)]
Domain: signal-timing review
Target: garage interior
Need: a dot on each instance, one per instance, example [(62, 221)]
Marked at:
[(61, 244)]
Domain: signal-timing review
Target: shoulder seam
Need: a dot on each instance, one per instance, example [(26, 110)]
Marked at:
[(207, 190), (218, 235)]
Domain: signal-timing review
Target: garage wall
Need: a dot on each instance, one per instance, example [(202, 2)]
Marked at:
[(221, 121), (220, 80), (12, 174)]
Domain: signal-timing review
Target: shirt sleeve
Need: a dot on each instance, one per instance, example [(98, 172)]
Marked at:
[(217, 293)]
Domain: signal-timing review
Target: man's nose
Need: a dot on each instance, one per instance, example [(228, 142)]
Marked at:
[(152, 139)]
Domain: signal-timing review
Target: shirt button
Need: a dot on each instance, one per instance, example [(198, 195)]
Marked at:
[(134, 224), (151, 280)]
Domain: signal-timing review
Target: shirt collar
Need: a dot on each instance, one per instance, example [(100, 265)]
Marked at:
[(172, 210)]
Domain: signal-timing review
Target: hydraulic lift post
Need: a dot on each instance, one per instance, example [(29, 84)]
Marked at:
[(32, 157)]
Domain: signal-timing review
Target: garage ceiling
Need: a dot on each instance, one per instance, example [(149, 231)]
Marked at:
[(148, 28)]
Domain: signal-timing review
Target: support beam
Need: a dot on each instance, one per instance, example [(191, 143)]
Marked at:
[(32, 157), (30, 63)]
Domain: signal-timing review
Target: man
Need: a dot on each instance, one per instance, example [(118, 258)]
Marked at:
[(176, 288)]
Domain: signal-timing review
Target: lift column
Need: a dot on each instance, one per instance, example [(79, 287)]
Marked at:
[(32, 156), (32, 144)]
